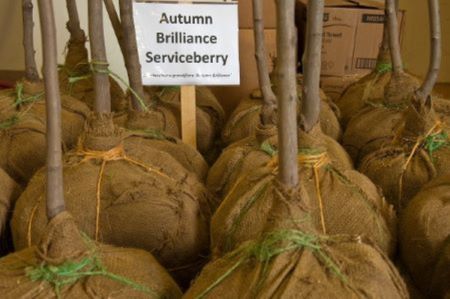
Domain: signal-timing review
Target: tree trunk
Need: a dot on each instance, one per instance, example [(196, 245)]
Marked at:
[(131, 55), (55, 191), (73, 25), (436, 50), (269, 99), (31, 73), (115, 22), (394, 42), (311, 83), (287, 93), (98, 57)]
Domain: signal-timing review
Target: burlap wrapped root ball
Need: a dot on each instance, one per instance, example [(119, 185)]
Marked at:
[(296, 264), (441, 276), (341, 202), (22, 130), (375, 125), (65, 264), (425, 231), (76, 80), (210, 115), (125, 195), (246, 117), (419, 152), (9, 192), (258, 150), (147, 129)]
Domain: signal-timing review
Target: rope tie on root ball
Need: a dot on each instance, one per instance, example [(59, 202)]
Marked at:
[(115, 154), (432, 141), (70, 272), (314, 159), (93, 66), (274, 244)]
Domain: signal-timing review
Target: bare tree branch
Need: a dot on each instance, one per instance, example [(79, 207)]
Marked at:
[(98, 57), (31, 73), (394, 42), (73, 25), (130, 53), (287, 93), (436, 51), (269, 98), (116, 23), (55, 191), (311, 83)]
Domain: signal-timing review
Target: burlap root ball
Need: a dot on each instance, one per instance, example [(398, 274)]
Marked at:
[(76, 80), (375, 125), (258, 150), (147, 129), (9, 192), (22, 132), (125, 195), (419, 152), (210, 115), (66, 264), (342, 201), (439, 284), (245, 119), (424, 232), (295, 264)]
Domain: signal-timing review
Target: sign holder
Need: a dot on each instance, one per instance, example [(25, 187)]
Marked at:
[(188, 110)]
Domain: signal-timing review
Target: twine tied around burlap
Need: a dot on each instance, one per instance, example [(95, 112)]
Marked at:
[(115, 154)]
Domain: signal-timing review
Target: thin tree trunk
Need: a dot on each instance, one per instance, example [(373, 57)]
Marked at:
[(73, 25), (55, 191), (287, 93), (394, 42), (98, 57), (311, 84), (269, 98), (131, 55), (436, 50), (116, 23), (31, 73)]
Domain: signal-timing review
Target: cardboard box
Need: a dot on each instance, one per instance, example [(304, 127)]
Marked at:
[(246, 14), (352, 35), (229, 96), (334, 86)]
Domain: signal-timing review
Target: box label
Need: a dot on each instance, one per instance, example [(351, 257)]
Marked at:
[(188, 44)]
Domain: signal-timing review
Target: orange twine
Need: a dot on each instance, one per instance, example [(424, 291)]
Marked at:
[(436, 129), (115, 154)]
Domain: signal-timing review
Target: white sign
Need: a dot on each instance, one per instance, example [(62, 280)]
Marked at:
[(188, 44)]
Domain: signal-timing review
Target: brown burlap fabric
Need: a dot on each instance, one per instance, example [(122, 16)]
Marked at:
[(424, 229), (440, 286), (147, 129), (22, 133), (209, 114), (77, 68), (9, 192), (419, 152), (374, 126), (293, 264), (257, 151), (66, 265), (126, 196), (246, 117)]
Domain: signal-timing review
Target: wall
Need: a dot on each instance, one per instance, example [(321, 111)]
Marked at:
[(415, 43)]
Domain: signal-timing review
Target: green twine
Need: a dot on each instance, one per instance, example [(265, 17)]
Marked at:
[(268, 148), (20, 99), (383, 68), (168, 89), (274, 244), (8, 123), (76, 78), (151, 133), (69, 273), (435, 142)]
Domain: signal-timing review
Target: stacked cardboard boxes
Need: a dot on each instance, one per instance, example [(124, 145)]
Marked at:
[(231, 95)]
